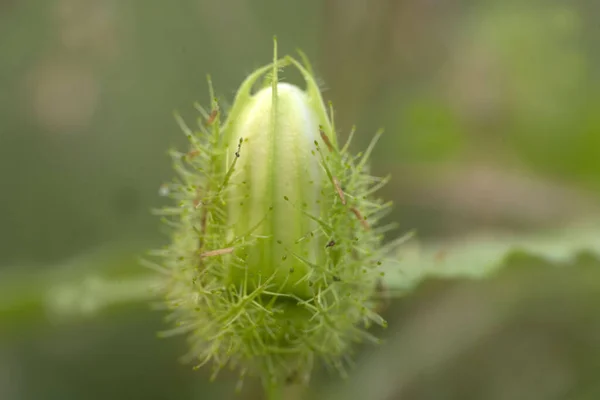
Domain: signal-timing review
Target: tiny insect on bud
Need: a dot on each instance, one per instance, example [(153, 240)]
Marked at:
[(325, 138), (193, 153), (212, 116)]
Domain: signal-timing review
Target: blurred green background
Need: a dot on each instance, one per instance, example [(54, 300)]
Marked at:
[(492, 118)]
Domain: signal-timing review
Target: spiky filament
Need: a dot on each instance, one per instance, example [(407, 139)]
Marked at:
[(247, 292)]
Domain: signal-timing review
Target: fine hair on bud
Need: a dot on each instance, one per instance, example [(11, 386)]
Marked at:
[(276, 251)]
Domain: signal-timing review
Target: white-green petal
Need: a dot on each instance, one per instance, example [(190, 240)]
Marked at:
[(277, 179)]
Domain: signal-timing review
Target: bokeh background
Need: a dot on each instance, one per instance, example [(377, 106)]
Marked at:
[(492, 117)]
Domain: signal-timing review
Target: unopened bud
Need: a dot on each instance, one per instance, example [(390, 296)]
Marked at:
[(276, 252)]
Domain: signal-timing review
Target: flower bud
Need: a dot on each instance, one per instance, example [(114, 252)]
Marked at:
[(276, 252), (276, 183)]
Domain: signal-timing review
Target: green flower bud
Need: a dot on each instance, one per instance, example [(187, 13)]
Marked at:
[(276, 183), (276, 252)]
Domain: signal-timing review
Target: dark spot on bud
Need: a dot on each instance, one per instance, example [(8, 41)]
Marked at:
[(286, 198), (331, 243), (292, 378), (336, 278), (237, 153)]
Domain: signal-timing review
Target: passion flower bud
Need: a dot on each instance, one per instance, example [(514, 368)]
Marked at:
[(276, 183), (275, 258)]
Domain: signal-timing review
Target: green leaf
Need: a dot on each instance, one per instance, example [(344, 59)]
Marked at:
[(80, 286), (481, 255)]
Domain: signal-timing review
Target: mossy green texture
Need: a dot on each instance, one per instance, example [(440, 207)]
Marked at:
[(276, 250)]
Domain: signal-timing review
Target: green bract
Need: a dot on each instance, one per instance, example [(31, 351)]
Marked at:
[(275, 255)]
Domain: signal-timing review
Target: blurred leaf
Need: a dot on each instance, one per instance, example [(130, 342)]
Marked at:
[(456, 336), (78, 286), (480, 256)]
